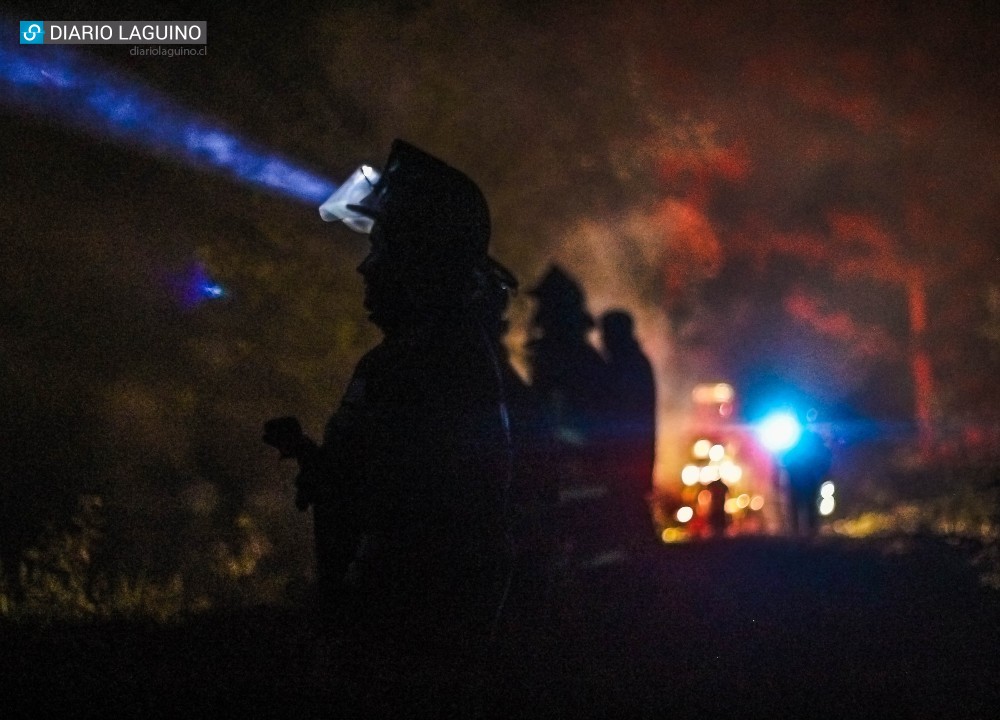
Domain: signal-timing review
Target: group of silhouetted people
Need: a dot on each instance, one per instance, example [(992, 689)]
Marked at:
[(441, 469), (599, 410)]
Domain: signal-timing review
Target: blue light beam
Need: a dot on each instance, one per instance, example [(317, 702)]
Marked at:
[(74, 89)]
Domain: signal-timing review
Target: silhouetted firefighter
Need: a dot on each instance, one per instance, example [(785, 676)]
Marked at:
[(534, 491), (718, 519), (410, 483), (807, 465), (570, 379), (630, 429)]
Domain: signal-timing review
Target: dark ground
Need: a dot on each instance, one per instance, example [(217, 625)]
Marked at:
[(752, 627)]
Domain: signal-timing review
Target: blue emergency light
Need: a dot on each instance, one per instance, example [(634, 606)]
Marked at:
[(779, 431)]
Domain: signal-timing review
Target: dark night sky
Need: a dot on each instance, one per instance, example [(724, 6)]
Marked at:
[(694, 162)]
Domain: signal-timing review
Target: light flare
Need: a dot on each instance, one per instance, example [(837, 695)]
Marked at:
[(73, 88), (779, 431)]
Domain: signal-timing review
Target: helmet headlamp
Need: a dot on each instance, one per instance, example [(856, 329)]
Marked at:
[(343, 204)]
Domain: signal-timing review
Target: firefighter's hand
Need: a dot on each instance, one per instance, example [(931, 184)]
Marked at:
[(285, 434)]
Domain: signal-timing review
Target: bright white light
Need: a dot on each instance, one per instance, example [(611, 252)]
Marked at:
[(716, 453), (722, 392), (743, 501), (355, 189), (712, 393), (826, 505), (709, 473), (690, 475), (756, 502), (684, 514), (701, 448), (826, 490), (730, 472), (779, 431)]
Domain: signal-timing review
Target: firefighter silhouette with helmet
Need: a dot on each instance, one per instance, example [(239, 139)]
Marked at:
[(570, 379), (410, 482)]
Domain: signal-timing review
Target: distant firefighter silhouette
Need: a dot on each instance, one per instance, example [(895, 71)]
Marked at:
[(807, 466), (630, 426), (570, 378), (567, 371), (718, 519), (410, 483), (534, 492)]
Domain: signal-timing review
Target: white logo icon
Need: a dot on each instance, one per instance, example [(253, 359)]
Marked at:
[(32, 32)]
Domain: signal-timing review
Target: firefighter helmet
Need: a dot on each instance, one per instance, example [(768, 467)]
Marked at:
[(419, 193)]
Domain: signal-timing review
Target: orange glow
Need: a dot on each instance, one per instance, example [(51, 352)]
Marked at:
[(704, 499), (672, 535), (865, 340)]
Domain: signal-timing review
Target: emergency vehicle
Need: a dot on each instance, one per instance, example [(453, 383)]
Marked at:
[(716, 445)]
